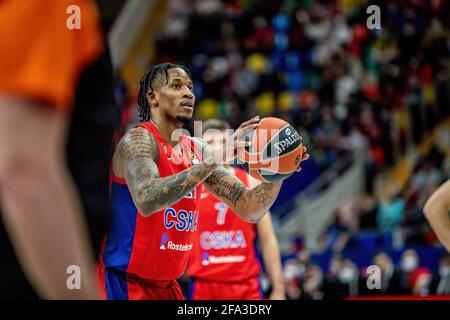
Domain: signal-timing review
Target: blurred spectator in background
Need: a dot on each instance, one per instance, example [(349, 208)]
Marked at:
[(390, 212), (390, 276), (368, 207), (312, 287), (317, 286), (335, 266), (428, 173), (304, 258), (440, 284), (348, 215), (414, 279), (349, 276), (293, 271)]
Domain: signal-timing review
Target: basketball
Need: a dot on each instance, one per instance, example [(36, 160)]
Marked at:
[(275, 151)]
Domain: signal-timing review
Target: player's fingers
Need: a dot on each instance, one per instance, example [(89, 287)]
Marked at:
[(248, 122), (243, 130), (305, 157)]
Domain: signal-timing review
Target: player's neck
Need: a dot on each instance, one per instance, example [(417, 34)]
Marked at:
[(166, 130)]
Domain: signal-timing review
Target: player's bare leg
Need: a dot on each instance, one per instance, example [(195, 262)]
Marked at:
[(436, 211), (40, 207)]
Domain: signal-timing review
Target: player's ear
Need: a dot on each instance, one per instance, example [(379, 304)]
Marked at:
[(153, 99)]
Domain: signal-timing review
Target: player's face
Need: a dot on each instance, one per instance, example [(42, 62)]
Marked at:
[(176, 97), (215, 138)]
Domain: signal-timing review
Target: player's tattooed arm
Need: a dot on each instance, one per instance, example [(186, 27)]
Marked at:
[(139, 154), (249, 204)]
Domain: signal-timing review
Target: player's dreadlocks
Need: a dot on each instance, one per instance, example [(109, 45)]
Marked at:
[(146, 84)]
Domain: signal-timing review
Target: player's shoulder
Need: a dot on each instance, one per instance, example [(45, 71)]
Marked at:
[(137, 142), (136, 136)]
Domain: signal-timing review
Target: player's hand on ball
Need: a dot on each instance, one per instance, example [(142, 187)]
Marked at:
[(305, 156), (228, 151), (245, 127)]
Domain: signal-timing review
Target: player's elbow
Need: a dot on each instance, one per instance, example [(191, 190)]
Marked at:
[(145, 213), (252, 216), (143, 210), (253, 219), (428, 208), (144, 206)]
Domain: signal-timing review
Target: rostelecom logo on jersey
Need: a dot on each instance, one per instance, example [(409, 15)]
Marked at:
[(166, 244), (164, 239)]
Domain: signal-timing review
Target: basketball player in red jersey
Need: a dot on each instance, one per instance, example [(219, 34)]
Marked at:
[(223, 264), (156, 185), (437, 210)]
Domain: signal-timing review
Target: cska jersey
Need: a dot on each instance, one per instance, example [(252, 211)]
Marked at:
[(155, 247), (224, 243)]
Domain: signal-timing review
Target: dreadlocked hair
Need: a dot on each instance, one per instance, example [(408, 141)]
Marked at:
[(146, 84)]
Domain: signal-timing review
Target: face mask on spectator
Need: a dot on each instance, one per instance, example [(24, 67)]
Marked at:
[(301, 269), (291, 272), (409, 264), (444, 271), (347, 275), (315, 281), (334, 268)]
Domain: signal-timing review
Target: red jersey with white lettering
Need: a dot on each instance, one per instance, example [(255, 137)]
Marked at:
[(224, 248), (155, 247)]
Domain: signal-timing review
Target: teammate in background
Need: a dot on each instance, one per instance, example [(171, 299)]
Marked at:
[(223, 264), (40, 65), (156, 186), (436, 210)]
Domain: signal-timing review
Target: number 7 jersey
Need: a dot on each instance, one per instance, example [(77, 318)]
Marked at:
[(224, 248)]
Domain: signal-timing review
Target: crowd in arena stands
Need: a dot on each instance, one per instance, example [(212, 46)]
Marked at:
[(318, 66), (400, 212), (367, 225), (343, 279)]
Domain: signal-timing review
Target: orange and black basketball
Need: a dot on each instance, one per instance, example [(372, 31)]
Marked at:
[(275, 152)]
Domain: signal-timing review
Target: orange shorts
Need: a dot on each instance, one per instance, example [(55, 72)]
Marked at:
[(41, 58), (211, 290)]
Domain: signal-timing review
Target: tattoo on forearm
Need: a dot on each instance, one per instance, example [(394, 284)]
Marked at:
[(249, 204), (149, 191), (230, 190), (156, 194), (264, 195)]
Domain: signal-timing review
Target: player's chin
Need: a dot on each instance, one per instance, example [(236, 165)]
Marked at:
[(185, 119)]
